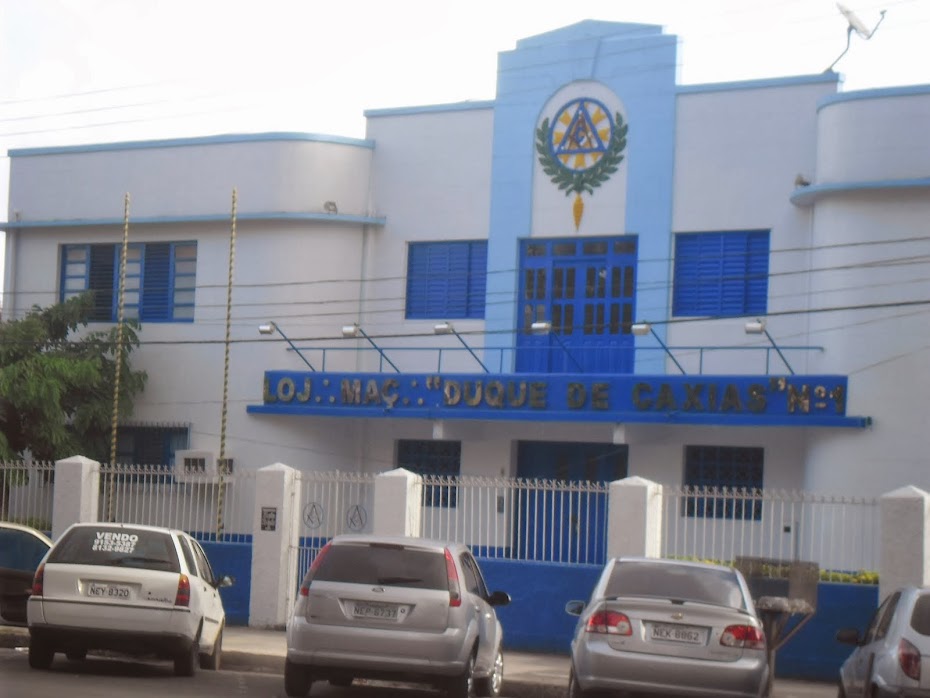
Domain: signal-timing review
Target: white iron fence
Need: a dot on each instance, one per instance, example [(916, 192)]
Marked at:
[(330, 503), (204, 506), (541, 520), (841, 534), (26, 493)]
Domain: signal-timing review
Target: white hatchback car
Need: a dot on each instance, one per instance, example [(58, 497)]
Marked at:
[(131, 589)]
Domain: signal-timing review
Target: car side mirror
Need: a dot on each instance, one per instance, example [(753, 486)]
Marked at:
[(499, 598), (848, 636), (225, 581), (574, 608)]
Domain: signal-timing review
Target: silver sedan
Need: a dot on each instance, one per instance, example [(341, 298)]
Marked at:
[(670, 628)]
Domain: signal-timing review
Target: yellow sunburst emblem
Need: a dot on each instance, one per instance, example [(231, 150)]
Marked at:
[(581, 149)]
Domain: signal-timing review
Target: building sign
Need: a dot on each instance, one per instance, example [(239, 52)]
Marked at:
[(818, 400)]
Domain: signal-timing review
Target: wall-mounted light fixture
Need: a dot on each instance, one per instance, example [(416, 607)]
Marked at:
[(545, 327), (448, 328), (354, 331), (271, 327), (757, 326), (641, 329)]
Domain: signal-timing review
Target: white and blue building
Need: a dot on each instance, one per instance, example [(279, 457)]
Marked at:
[(556, 283)]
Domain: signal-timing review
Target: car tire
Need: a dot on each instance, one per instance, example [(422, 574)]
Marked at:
[(574, 688), (211, 662), (185, 662), (462, 686), (490, 686), (41, 653), (76, 655), (296, 679)]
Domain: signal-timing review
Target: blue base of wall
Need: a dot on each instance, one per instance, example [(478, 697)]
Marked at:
[(535, 620), (234, 559)]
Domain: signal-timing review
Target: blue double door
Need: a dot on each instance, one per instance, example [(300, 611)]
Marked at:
[(566, 521), (576, 305)]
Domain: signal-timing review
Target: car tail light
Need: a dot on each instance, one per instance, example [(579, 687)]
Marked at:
[(38, 581), (314, 566), (746, 636), (183, 597), (909, 659), (609, 623), (455, 594)]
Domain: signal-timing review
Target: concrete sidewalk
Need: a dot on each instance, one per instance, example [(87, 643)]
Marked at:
[(526, 675)]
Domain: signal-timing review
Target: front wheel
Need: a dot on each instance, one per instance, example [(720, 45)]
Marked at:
[(296, 679), (41, 653), (574, 688), (490, 686), (462, 686)]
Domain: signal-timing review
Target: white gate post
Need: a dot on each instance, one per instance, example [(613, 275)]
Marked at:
[(274, 546), (905, 543), (398, 503), (634, 518), (77, 493)]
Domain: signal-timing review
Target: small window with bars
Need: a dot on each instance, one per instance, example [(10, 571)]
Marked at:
[(723, 482), (439, 459)]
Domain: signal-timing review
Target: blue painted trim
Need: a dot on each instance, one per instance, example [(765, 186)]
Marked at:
[(677, 418), (204, 218), (199, 140), (805, 196), (877, 93), (763, 83), (430, 108)]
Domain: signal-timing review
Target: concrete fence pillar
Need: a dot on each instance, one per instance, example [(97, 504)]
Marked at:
[(77, 493), (634, 518), (275, 529), (905, 540), (398, 503)]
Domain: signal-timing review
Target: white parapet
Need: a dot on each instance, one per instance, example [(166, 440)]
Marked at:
[(398, 503), (634, 520), (905, 543), (77, 493), (274, 544)]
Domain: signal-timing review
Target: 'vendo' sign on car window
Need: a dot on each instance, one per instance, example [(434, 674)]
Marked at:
[(111, 542)]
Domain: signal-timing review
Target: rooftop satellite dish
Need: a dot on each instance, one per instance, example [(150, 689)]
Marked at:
[(855, 25)]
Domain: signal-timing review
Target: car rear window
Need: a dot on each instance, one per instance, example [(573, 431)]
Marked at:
[(125, 547), (684, 583), (383, 565), (920, 616)]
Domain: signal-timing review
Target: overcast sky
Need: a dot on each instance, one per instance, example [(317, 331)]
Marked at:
[(88, 71)]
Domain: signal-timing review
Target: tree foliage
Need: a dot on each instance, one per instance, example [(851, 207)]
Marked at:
[(57, 381)]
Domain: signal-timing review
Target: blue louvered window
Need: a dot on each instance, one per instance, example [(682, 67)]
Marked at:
[(721, 274), (446, 280), (159, 283), (723, 482)]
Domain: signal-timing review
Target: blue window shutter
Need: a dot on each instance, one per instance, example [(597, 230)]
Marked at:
[(446, 280), (156, 289), (721, 274)]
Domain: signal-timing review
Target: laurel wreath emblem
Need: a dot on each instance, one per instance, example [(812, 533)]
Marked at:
[(581, 181)]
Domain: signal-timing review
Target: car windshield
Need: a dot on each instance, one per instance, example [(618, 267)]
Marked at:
[(676, 582), (383, 565), (124, 547), (20, 550)]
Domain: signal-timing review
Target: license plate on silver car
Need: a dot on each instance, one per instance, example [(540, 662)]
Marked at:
[(108, 591), (362, 609), (679, 633)]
